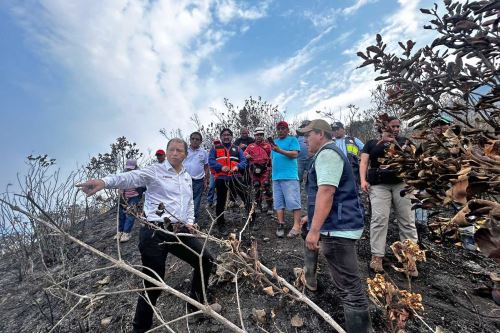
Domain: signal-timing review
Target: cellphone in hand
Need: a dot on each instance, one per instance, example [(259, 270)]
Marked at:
[(271, 141)]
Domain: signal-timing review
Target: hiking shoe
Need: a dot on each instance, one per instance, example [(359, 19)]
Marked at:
[(376, 264), (125, 237), (293, 233), (118, 235), (280, 231)]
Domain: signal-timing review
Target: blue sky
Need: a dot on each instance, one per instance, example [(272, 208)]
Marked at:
[(75, 75)]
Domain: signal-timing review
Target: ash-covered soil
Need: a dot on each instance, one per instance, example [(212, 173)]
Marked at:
[(446, 282)]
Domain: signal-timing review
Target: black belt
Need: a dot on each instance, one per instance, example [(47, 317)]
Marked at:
[(170, 226), (155, 223)]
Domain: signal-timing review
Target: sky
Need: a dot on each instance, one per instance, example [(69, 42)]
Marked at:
[(75, 75)]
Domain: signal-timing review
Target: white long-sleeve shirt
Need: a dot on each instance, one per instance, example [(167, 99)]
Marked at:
[(164, 185)]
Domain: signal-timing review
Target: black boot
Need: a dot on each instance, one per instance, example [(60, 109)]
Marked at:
[(357, 320), (310, 266)]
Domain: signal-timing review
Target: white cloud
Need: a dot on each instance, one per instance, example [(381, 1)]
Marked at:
[(143, 58), (352, 86), (324, 19), (228, 10), (357, 5)]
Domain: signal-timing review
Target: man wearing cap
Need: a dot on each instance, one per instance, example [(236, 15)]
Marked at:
[(286, 186), (303, 159), (196, 164), (169, 209), (160, 155), (335, 221), (129, 199), (227, 161), (258, 154), (350, 146), (441, 124)]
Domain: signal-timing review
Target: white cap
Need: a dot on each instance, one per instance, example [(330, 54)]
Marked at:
[(259, 130)]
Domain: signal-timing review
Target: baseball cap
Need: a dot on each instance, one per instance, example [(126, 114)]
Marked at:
[(259, 130), (160, 152), (316, 124), (282, 124), (304, 123), (131, 164), (337, 124)]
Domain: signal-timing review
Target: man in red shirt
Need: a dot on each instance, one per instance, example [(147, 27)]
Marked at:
[(258, 155)]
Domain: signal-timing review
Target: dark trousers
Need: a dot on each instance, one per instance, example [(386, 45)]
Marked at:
[(343, 263), (154, 247), (236, 186)]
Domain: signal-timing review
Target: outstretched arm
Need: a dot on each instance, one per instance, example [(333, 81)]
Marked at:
[(92, 186)]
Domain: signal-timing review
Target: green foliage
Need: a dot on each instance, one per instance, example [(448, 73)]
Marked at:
[(456, 75), (114, 161)]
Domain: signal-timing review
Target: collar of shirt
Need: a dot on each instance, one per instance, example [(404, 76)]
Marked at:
[(192, 149), (322, 148), (170, 168)]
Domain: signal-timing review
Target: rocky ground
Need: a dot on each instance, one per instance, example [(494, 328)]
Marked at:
[(447, 281)]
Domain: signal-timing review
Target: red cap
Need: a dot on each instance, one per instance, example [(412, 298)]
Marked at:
[(282, 124), (160, 152)]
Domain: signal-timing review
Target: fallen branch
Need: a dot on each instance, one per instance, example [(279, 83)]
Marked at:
[(120, 264)]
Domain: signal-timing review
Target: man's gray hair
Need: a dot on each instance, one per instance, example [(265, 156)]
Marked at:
[(178, 140)]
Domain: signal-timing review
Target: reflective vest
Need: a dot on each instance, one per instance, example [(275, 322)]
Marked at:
[(350, 146), (226, 157)]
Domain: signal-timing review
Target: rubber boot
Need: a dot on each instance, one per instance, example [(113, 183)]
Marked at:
[(310, 266), (357, 320)]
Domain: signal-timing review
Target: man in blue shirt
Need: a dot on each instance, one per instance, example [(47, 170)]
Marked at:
[(286, 187), (350, 146)]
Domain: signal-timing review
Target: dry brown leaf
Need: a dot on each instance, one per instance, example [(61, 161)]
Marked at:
[(269, 290), (259, 315), (286, 290), (106, 321), (458, 191), (105, 280), (297, 321), (275, 272)]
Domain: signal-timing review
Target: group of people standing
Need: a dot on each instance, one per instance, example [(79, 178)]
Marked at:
[(335, 168)]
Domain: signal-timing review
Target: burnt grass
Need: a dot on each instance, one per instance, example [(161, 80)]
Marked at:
[(446, 281)]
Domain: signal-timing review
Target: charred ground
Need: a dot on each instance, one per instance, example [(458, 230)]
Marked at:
[(447, 282)]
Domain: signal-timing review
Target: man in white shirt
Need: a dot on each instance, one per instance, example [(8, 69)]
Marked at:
[(196, 164), (169, 205)]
